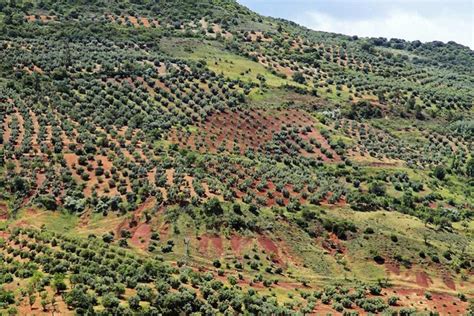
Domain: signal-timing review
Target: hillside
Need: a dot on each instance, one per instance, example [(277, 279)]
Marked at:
[(180, 157)]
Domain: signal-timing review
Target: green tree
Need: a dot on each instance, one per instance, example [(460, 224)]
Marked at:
[(470, 168), (79, 298), (213, 207), (134, 302), (439, 172), (58, 283), (299, 78), (109, 300)]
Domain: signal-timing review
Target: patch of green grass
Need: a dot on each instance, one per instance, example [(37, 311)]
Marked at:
[(60, 222), (454, 189), (346, 140), (99, 225), (219, 60), (334, 95), (255, 26), (367, 271), (271, 97)]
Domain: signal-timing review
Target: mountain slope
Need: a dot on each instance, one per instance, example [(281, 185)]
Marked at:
[(180, 156)]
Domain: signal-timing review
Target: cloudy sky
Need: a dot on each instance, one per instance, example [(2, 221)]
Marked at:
[(425, 20)]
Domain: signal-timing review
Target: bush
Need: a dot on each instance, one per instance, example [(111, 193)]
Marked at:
[(338, 307), (377, 188), (6, 297), (369, 230), (109, 300), (406, 311), (213, 207), (364, 110), (134, 302), (299, 78), (439, 172), (232, 280), (48, 202), (375, 289), (392, 300)]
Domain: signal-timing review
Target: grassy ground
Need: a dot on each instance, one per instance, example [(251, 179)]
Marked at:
[(219, 60), (55, 221)]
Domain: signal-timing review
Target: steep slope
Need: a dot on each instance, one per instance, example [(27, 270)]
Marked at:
[(180, 156)]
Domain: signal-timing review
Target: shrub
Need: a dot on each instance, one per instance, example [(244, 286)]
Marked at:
[(299, 78), (377, 188), (375, 289), (439, 172), (369, 230), (392, 300)]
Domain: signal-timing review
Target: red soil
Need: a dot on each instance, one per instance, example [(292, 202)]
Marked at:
[(239, 128), (21, 125), (238, 243), (217, 245), (169, 176), (147, 205), (141, 236), (6, 128), (145, 22), (40, 178), (340, 202), (448, 281), (133, 20), (290, 285), (137, 214), (211, 245), (422, 279), (393, 268), (202, 244), (324, 144), (333, 245), (3, 212), (269, 246), (259, 35), (164, 231), (30, 18), (42, 18)]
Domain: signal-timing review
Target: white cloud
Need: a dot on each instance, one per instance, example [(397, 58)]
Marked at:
[(397, 24)]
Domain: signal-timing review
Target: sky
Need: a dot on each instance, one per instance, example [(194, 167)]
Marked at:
[(424, 20)]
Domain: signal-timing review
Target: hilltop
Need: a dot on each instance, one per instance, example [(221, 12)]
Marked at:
[(195, 157)]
